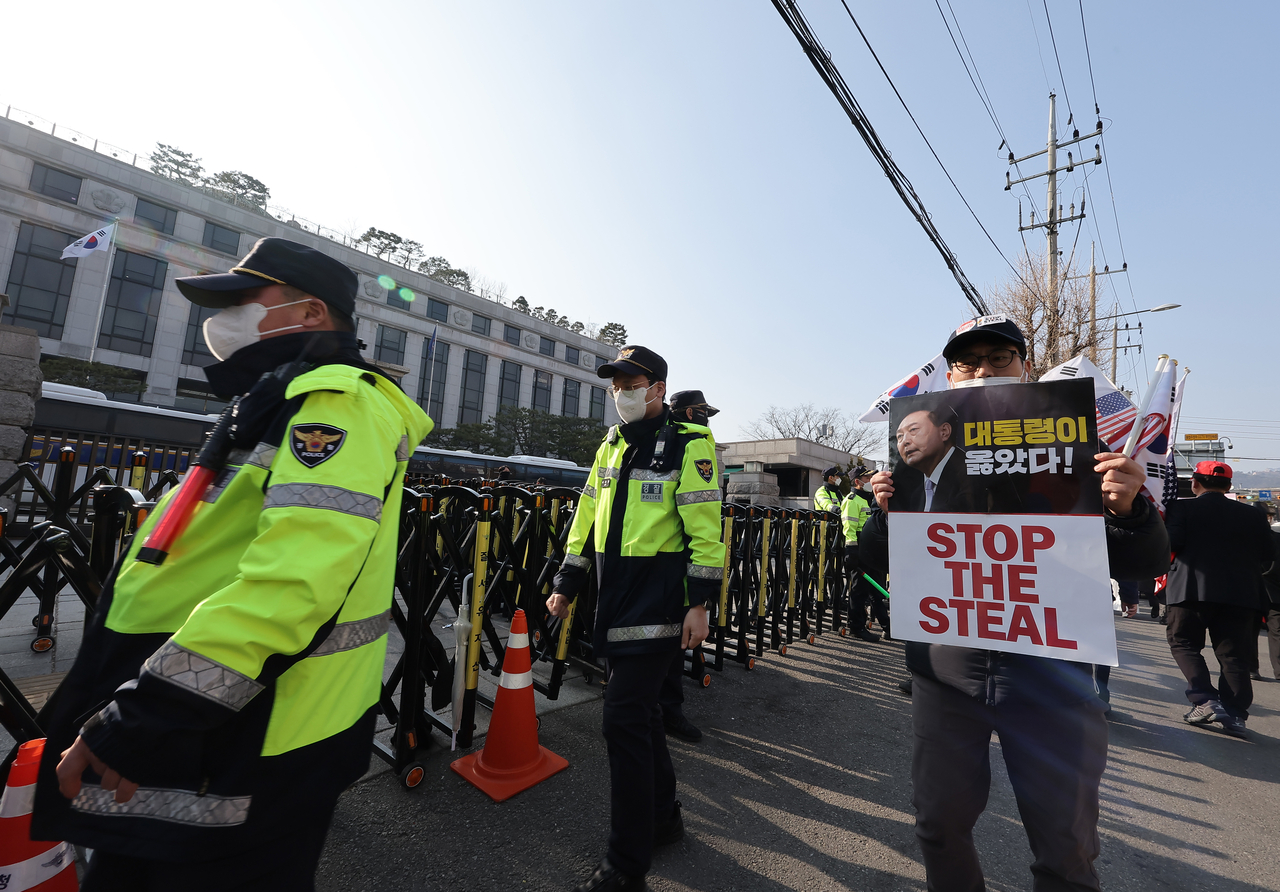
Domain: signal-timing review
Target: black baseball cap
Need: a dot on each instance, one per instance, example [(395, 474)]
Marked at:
[(833, 471), (861, 471), (277, 261), (635, 360), (691, 399), (997, 327)]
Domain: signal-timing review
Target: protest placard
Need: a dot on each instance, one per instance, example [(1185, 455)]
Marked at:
[(997, 539)]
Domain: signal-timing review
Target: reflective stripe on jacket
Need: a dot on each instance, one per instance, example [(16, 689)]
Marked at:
[(248, 664), (665, 550), (827, 499), (854, 511)]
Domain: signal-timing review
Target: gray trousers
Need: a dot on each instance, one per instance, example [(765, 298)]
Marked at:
[(1055, 757)]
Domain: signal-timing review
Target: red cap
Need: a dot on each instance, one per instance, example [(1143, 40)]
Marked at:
[(1213, 469)]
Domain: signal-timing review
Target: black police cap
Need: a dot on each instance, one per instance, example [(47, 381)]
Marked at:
[(691, 399), (635, 360), (277, 261), (833, 471), (997, 327), (861, 471)]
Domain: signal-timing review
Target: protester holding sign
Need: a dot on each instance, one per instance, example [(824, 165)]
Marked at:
[(988, 581)]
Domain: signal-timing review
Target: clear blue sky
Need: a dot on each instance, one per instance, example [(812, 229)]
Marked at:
[(680, 167)]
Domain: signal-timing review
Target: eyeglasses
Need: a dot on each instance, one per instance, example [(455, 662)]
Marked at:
[(971, 362), (613, 390)]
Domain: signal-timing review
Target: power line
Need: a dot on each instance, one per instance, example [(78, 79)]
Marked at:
[(894, 86), (821, 61), (979, 86), (1061, 77)]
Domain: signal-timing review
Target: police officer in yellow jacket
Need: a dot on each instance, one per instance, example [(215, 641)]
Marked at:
[(225, 693), (828, 496), (650, 512), (854, 511), (686, 406)]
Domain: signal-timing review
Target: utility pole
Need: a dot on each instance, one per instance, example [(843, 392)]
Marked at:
[(1093, 307), (1053, 214)]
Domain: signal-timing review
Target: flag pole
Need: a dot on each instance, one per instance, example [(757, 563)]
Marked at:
[(102, 301), (431, 375), (1135, 433)]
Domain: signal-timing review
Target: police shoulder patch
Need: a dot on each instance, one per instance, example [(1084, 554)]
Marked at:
[(313, 444), (706, 468)]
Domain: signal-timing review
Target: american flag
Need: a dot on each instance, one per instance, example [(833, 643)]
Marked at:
[(1115, 417), (1170, 483)]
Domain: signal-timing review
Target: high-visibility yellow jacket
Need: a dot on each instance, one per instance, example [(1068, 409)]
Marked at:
[(655, 535), (854, 511), (827, 498), (237, 681)]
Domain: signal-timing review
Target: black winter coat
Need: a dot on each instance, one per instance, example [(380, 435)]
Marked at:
[(1137, 548), (1221, 548)]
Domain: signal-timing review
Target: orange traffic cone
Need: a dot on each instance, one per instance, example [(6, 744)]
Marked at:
[(512, 760), (27, 864)]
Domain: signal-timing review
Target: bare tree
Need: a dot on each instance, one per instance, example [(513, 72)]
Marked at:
[(808, 423), (487, 286), (1056, 330)]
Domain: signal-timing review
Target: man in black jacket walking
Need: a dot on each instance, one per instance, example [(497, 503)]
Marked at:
[(1221, 549), (1050, 721)]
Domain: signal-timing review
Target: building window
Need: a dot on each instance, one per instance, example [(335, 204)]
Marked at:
[(39, 282), (471, 409), (55, 184), (435, 368), (220, 238), (161, 219), (546, 346), (600, 360), (569, 406), (571, 355), (511, 335), (509, 387), (437, 309), (395, 298), (597, 403), (542, 391), (194, 350), (481, 324), (196, 396), (133, 303), (389, 347)]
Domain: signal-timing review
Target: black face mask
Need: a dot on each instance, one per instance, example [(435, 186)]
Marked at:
[(238, 373)]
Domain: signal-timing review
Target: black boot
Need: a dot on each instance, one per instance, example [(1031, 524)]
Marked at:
[(669, 831), (681, 727), (608, 878)]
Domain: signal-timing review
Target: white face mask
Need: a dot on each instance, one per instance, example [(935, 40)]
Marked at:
[(632, 403), (237, 327), (986, 382), (837, 481)]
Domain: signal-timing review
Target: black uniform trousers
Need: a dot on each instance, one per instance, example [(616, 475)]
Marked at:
[(1273, 638), (1233, 632), (671, 696), (1055, 757), (285, 864), (642, 778), (862, 593)]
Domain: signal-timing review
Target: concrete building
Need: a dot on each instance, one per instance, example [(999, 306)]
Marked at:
[(796, 464), (122, 307)]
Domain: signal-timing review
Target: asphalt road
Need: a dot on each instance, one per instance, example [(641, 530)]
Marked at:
[(802, 782)]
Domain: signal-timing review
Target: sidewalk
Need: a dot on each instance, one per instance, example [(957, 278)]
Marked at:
[(802, 783)]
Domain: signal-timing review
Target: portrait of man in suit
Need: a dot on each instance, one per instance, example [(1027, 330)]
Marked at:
[(932, 476)]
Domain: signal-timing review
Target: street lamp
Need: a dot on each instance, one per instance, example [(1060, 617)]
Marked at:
[(1159, 309)]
